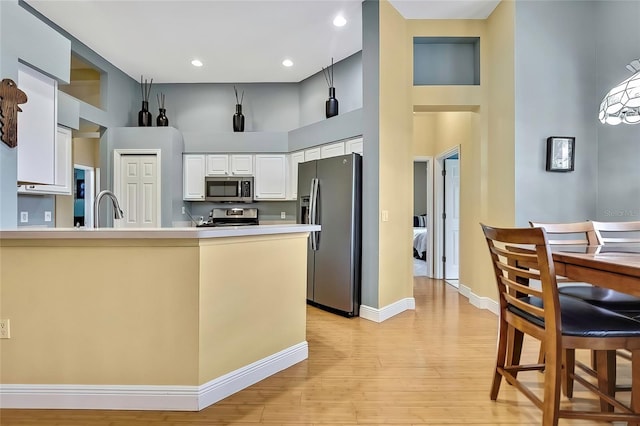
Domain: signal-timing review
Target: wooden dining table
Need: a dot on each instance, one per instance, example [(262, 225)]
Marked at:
[(610, 266)]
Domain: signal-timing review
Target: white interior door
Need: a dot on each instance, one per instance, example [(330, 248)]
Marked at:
[(452, 218), (139, 197)]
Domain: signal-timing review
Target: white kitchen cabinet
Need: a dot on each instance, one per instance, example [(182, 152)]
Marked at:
[(332, 150), (312, 154), (63, 171), (241, 164), (193, 177), (294, 159), (353, 145), (270, 177), (229, 164), (37, 124), (217, 165)]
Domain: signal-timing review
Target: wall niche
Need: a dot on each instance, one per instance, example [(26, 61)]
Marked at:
[(446, 61)]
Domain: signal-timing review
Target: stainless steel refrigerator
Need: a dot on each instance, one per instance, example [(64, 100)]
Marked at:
[(330, 195)]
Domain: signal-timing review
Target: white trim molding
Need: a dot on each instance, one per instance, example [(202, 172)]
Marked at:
[(479, 302), (141, 397), (382, 314)]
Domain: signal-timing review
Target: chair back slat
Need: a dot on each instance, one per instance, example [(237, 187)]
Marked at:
[(520, 255), (574, 233), (618, 232), (521, 289), (518, 303)]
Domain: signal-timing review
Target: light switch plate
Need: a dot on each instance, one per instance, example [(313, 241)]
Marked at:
[(5, 331), (385, 215)]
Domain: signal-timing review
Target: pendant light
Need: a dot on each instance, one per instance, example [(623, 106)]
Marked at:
[(622, 103)]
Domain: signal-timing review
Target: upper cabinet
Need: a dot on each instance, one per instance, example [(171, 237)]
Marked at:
[(271, 177), (294, 159), (312, 154), (229, 164), (63, 169), (37, 127), (353, 145), (193, 169), (217, 165), (241, 164), (332, 150)]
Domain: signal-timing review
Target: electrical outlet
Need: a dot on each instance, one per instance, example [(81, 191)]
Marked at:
[(47, 216), (283, 215), (5, 331), (183, 210), (24, 217)]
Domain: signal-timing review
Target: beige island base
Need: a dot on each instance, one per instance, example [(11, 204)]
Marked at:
[(163, 319)]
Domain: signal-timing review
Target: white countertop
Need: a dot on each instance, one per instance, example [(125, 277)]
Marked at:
[(158, 233)]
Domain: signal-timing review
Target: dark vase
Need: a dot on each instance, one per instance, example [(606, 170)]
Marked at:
[(331, 106), (144, 116), (162, 120), (238, 119)]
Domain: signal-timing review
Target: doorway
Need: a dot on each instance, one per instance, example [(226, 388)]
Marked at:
[(83, 195), (447, 226), (423, 216), (136, 184)]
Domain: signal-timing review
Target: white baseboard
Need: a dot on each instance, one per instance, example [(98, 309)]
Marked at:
[(382, 314), (141, 397), (479, 302)]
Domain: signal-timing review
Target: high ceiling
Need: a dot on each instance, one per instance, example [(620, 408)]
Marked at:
[(238, 41)]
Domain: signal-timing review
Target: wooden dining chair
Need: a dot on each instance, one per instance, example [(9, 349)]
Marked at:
[(584, 233), (567, 234), (562, 324)]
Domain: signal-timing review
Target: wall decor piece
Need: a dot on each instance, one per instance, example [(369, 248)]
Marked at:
[(162, 120), (560, 153), (331, 105), (238, 118), (144, 116), (10, 98)]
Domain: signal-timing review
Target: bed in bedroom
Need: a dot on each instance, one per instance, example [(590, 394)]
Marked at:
[(420, 236)]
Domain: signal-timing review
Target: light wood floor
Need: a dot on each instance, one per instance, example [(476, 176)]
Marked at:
[(431, 366)]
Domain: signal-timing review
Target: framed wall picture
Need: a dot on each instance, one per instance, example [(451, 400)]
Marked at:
[(560, 153)]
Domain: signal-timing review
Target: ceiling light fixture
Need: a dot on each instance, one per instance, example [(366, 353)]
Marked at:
[(339, 21), (196, 63), (622, 103), (287, 63)]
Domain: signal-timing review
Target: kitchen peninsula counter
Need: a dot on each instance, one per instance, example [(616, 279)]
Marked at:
[(157, 319)]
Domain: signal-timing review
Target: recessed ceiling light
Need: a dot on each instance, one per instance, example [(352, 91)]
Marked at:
[(339, 21), (287, 63), (196, 63)]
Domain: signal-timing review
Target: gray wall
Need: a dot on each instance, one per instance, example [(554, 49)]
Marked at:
[(419, 188), (314, 91), (555, 77), (35, 206), (169, 141), (24, 37), (618, 36), (207, 107)]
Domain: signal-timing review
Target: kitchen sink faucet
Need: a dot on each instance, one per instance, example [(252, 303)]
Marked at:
[(117, 212)]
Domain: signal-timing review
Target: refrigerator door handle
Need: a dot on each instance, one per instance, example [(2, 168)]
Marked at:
[(313, 205)]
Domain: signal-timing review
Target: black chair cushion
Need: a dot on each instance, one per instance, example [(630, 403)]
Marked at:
[(605, 298), (582, 319)]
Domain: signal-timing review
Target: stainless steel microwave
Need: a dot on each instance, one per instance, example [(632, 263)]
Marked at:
[(228, 189)]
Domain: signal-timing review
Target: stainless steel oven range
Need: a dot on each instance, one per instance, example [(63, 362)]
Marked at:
[(232, 217)]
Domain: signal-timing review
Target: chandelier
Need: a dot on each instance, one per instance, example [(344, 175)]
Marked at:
[(622, 103)]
